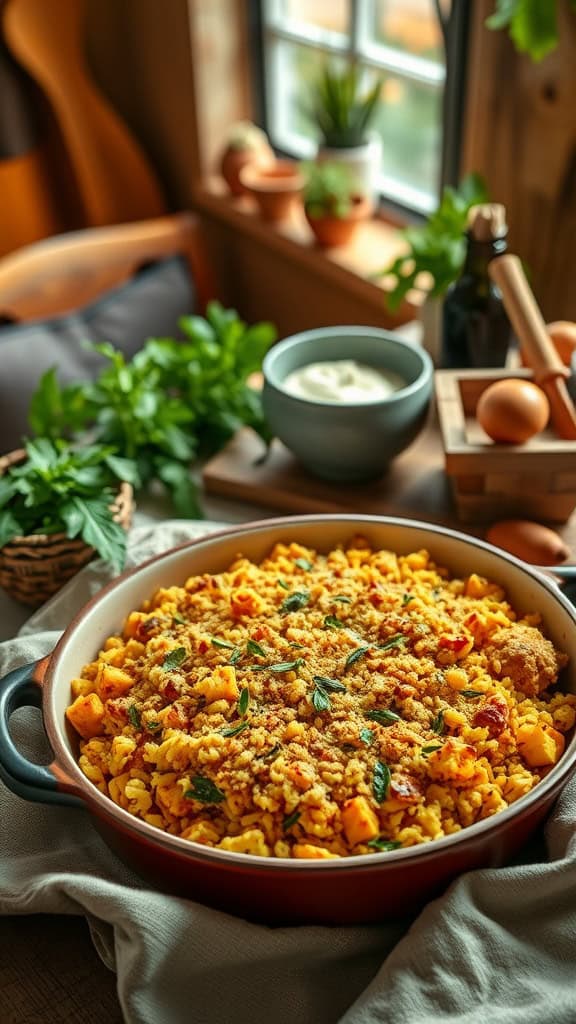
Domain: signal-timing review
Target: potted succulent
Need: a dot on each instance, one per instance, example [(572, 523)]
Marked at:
[(342, 112), (245, 143), (332, 204)]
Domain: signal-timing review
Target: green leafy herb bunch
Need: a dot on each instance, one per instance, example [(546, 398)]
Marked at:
[(58, 488), (436, 248), (174, 401)]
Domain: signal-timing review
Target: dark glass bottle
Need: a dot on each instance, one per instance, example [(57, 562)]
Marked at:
[(476, 331)]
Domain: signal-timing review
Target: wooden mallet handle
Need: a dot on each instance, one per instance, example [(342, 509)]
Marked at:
[(506, 271), (537, 348)]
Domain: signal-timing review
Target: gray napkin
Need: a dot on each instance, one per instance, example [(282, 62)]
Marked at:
[(499, 946)]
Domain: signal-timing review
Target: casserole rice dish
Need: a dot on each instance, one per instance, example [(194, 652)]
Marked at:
[(415, 735), (318, 706)]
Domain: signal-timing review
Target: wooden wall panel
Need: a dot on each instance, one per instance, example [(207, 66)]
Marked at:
[(520, 134)]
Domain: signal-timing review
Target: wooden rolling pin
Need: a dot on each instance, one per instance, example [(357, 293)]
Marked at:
[(550, 373)]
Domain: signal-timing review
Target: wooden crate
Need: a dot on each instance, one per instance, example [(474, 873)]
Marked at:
[(535, 480)]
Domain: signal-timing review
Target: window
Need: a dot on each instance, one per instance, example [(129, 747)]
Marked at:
[(400, 38)]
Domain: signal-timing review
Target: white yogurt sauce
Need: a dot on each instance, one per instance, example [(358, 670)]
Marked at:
[(342, 380)]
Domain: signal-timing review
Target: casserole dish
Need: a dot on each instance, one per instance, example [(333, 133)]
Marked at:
[(281, 890)]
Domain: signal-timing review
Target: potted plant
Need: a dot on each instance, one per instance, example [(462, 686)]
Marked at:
[(245, 143), (59, 506), (343, 110), (434, 256), (275, 187), (332, 205)]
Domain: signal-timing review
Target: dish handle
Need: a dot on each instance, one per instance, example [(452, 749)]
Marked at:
[(21, 688)]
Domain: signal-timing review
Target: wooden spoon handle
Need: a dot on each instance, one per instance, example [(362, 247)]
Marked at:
[(506, 271)]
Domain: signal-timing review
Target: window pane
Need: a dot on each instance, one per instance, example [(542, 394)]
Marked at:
[(410, 123), (409, 25), (333, 15), (293, 70)]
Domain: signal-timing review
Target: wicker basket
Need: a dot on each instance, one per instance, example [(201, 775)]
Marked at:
[(34, 567)]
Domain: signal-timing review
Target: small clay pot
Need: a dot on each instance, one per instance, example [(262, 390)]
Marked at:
[(233, 159), (331, 231), (275, 187)]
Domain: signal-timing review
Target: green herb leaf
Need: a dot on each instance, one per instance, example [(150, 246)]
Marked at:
[(327, 683), (235, 656), (281, 666), (342, 599), (406, 598), (92, 519), (438, 724), (293, 643), (331, 622), (356, 655), (532, 25), (290, 820), (222, 643), (393, 641), (381, 781), (204, 791), (295, 601), (320, 699), (174, 659), (384, 844), (429, 749), (235, 730), (253, 648), (471, 694), (9, 527), (179, 619), (272, 752), (243, 701), (367, 737), (383, 716), (283, 584), (134, 716), (303, 563), (153, 726)]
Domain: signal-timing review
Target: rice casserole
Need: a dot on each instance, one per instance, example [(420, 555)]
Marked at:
[(322, 705)]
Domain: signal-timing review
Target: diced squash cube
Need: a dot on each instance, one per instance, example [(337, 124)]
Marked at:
[(220, 685), (359, 820), (245, 601), (86, 715), (540, 745), (80, 687), (112, 681), (306, 851)]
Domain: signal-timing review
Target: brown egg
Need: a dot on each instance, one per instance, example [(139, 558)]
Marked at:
[(563, 335), (529, 541), (512, 410)]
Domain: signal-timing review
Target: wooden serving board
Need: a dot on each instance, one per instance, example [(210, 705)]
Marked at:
[(415, 484)]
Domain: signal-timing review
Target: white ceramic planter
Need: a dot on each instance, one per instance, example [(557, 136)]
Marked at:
[(364, 163)]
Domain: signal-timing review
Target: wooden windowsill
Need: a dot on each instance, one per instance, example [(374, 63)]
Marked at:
[(353, 266)]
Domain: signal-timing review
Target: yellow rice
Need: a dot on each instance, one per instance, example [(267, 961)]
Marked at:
[(319, 706)]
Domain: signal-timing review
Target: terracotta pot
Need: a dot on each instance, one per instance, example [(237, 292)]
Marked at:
[(275, 187), (331, 231), (234, 158), (347, 890)]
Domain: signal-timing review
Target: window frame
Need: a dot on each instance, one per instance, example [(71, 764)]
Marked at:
[(396, 200)]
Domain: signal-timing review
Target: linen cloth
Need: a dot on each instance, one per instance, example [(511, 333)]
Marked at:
[(499, 946)]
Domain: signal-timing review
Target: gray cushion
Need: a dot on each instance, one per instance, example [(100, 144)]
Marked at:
[(148, 306)]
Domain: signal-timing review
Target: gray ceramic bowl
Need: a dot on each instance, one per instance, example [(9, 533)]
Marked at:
[(347, 442)]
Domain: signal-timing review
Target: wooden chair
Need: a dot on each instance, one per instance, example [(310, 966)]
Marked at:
[(62, 273)]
